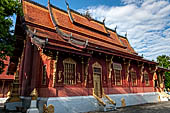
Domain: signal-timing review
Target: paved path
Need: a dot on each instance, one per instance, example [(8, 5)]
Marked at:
[(163, 107)]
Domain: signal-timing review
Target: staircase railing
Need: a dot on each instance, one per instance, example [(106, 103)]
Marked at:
[(164, 94), (111, 101), (98, 99)]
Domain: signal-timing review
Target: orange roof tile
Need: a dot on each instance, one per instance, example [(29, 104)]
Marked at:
[(54, 39), (37, 14), (126, 43), (97, 42), (63, 20), (88, 22), (40, 16)]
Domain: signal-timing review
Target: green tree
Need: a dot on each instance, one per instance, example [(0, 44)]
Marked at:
[(164, 61), (8, 8)]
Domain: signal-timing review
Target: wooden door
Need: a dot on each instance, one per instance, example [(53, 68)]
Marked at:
[(97, 81)]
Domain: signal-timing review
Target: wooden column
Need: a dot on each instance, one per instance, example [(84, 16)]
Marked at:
[(109, 70), (3, 84), (82, 63), (141, 67), (127, 70), (86, 72), (55, 69)]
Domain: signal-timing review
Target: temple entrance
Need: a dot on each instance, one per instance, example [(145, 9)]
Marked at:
[(97, 79)]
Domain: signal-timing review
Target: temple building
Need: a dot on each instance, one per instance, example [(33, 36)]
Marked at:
[(6, 80), (70, 55)]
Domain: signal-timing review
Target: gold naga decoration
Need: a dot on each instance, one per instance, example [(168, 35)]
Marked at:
[(49, 109), (123, 102)]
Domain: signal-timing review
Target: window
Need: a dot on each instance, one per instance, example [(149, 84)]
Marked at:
[(69, 71), (117, 72), (44, 74), (146, 78), (133, 78), (118, 79), (97, 71)]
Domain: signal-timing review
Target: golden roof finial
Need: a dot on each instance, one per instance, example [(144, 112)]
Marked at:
[(9, 94), (34, 94)]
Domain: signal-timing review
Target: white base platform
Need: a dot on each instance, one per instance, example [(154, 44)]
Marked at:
[(13, 105), (80, 104)]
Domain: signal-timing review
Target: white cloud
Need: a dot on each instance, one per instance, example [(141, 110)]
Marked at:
[(146, 21)]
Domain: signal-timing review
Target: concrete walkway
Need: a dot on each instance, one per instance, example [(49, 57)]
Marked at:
[(162, 107)]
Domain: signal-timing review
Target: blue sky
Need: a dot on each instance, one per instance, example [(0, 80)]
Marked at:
[(79, 4), (147, 22)]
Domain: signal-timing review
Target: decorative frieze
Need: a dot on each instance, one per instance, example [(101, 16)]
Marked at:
[(110, 67), (55, 69), (86, 71), (59, 76), (78, 78), (141, 68), (127, 65), (82, 63)]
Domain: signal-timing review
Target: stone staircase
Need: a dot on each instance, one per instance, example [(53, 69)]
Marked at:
[(109, 105), (105, 103), (164, 96)]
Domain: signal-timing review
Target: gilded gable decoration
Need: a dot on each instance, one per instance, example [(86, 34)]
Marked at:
[(69, 60), (97, 65)]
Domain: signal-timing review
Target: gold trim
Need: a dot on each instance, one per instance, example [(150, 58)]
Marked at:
[(98, 99), (107, 97)]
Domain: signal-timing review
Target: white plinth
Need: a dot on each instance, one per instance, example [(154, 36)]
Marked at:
[(12, 105), (33, 107), (32, 110), (33, 104)]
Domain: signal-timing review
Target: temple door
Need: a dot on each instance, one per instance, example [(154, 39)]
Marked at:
[(97, 79)]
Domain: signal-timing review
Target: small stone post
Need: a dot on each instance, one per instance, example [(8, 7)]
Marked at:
[(33, 107)]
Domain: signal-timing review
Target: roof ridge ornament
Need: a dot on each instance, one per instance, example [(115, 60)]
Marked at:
[(66, 3), (104, 19), (116, 28), (35, 39), (105, 26), (55, 23), (126, 34), (69, 12), (68, 37)]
